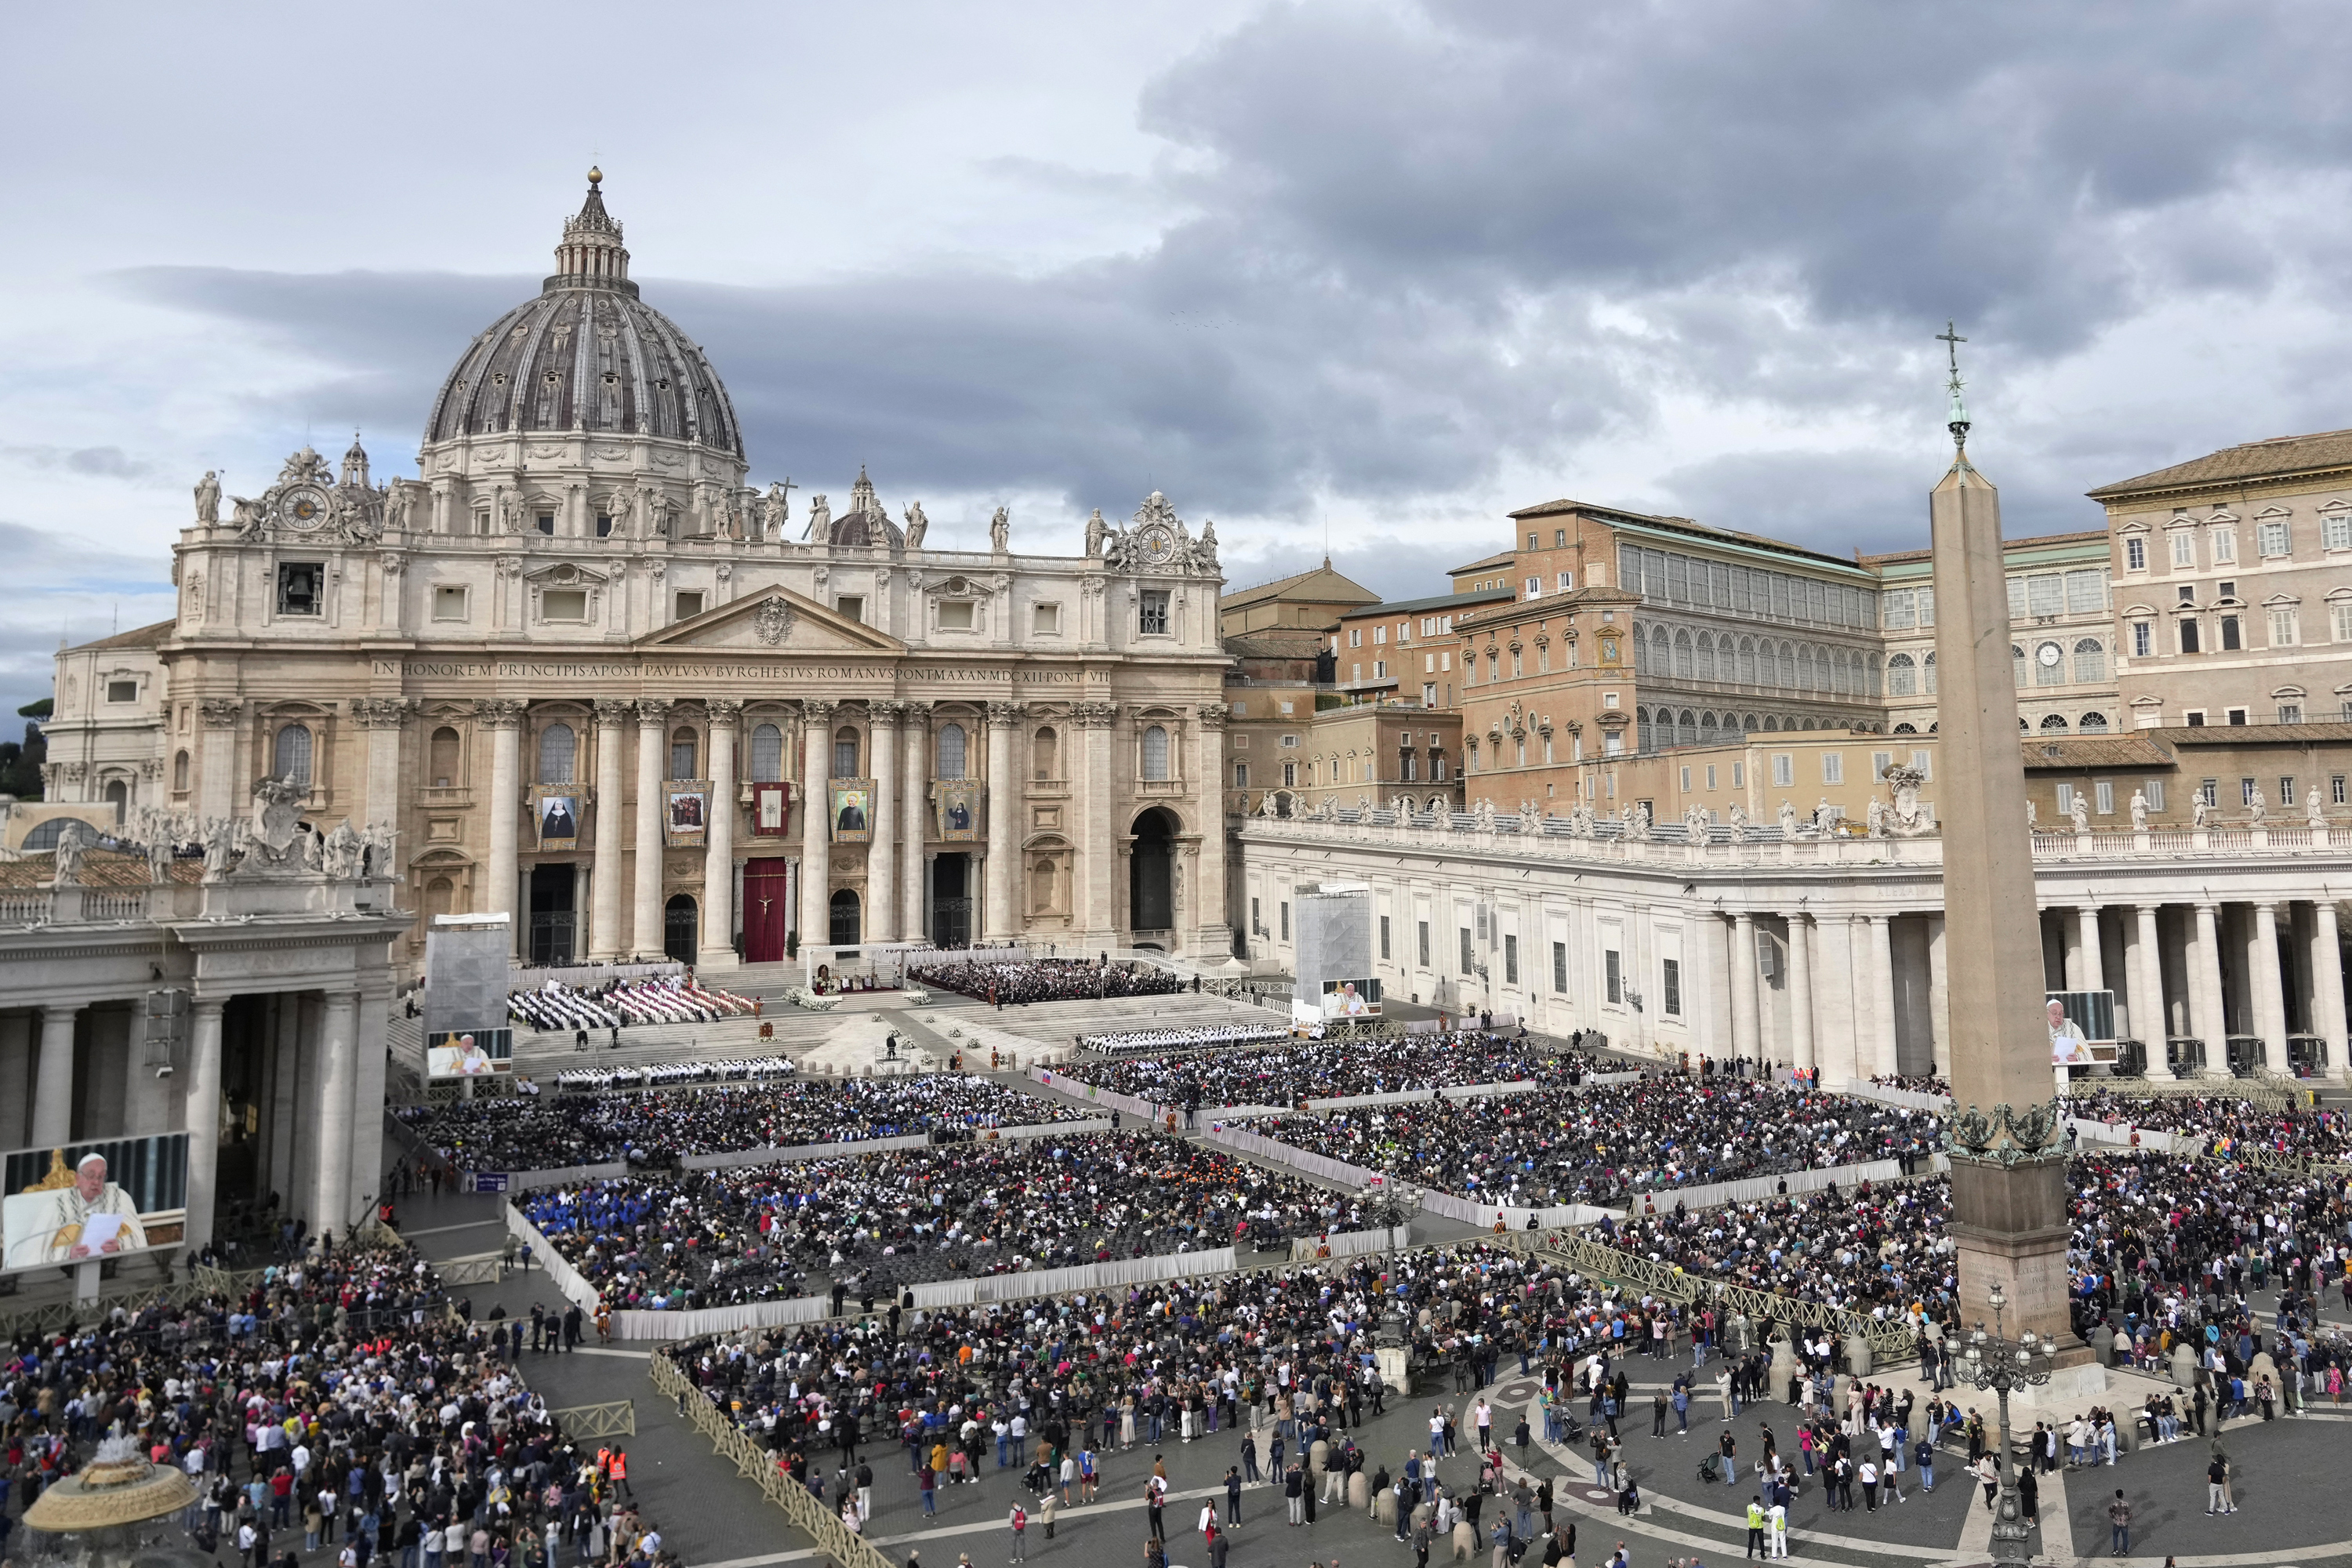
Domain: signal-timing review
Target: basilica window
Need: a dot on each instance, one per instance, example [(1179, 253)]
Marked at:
[(1045, 752), (690, 605), (180, 772), (290, 758), (448, 603), (682, 749), (949, 746), (441, 757), (767, 755), (1155, 753), (1046, 620), (1151, 613), (300, 585), (955, 614), (844, 752), (557, 748)]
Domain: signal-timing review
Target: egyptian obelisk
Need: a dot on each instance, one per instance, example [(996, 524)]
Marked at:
[(2008, 1171)]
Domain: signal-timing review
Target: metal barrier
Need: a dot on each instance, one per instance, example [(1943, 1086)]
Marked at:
[(616, 1419), (807, 1512), (485, 1270), (52, 1317)]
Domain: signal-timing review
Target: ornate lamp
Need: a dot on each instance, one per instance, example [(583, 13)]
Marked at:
[(1993, 1362)]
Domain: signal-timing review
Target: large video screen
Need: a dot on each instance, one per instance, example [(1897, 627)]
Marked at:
[(1350, 999), (2082, 1027), (74, 1203), (468, 1053)]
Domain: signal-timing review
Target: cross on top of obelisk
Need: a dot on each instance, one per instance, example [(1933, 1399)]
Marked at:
[(1958, 419)]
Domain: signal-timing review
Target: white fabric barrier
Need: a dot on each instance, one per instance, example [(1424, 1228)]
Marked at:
[(1347, 1244), (1408, 1096), (1265, 1147), (567, 1278), (524, 1181), (1484, 1215), (638, 1325), (2122, 1133), (1908, 1099), (1037, 1282), (1811, 1180), (1144, 1110), (855, 1147)]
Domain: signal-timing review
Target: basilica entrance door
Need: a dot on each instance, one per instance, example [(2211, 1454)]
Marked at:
[(951, 901), (767, 909), (552, 912)]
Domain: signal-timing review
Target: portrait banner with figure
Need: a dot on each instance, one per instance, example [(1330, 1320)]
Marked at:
[(686, 812), (958, 803), (559, 817), (852, 811), (771, 810), (71, 1203)]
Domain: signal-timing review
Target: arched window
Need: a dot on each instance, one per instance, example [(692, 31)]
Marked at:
[(2090, 659), (441, 758), (1873, 688), (2092, 724), (1748, 725), (1155, 755), (1788, 666), (1901, 676), (1686, 730), (2017, 663), (767, 755), (180, 772), (558, 746), (950, 747), (2055, 721), (1771, 724), (1642, 740), (844, 752), (681, 756), (1805, 669), (1748, 661), (439, 894), (1041, 888), (1906, 728), (1930, 667), (292, 755), (118, 795), (1662, 657), (1045, 755), (1707, 729), (1683, 656)]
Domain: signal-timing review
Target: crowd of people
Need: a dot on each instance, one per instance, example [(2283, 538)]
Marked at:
[(2227, 1124), (700, 1238), (1332, 1069), (1206, 1036), (1915, 1083), (1005, 982), (513, 1134), (1606, 1144), (338, 1403), (671, 1075), (646, 999)]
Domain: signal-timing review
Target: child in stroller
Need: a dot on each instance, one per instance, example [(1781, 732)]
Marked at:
[(1037, 1478)]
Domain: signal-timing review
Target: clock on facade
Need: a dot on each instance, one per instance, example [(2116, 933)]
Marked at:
[(2048, 655), (303, 507), (1158, 543)]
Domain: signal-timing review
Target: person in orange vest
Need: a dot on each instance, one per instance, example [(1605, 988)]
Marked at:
[(620, 1474)]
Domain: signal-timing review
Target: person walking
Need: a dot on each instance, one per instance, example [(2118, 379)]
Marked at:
[(2119, 1524), (1924, 1456), (1232, 1497)]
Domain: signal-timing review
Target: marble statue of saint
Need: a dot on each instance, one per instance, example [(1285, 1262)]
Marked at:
[(2140, 812), (1824, 816), (1206, 548), (396, 502), (820, 524), (2198, 809), (208, 500), (774, 511), (1787, 820), (247, 516), (1873, 818), (918, 526), (2258, 808), (1000, 530), (1739, 819), (2313, 815), (74, 840), (1096, 531), (2079, 808), (344, 852), (2032, 817)]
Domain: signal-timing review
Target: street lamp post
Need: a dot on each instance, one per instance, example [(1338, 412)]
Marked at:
[(1391, 1339), (1993, 1362)]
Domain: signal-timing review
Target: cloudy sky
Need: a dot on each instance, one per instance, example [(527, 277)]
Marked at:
[(1379, 271)]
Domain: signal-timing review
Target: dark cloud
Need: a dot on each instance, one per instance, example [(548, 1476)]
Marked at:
[(90, 462)]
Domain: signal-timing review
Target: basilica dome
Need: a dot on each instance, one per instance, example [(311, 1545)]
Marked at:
[(587, 355)]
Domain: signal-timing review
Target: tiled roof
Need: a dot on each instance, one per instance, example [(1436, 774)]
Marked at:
[(2254, 735), (99, 869), (141, 636), (1341, 587), (1434, 602), (2277, 457), (2072, 752)]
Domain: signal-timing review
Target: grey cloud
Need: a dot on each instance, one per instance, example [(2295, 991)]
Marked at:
[(92, 462)]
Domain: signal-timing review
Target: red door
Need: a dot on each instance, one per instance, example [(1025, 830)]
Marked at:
[(766, 912)]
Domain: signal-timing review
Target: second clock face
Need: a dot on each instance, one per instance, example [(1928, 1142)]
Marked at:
[(2048, 655), (1159, 544), (303, 507)]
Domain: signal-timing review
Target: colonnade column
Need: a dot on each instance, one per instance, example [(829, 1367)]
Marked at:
[(2270, 998), (2328, 985), (339, 1056), (1880, 968), (1004, 862), (1802, 1050), (2092, 967), (2205, 989), (1211, 901), (1940, 997), (1836, 1044), (648, 937), (914, 863), (718, 932), (503, 720), (605, 940), (2147, 993), (882, 855), (1747, 1037), (203, 1113), (816, 878), (52, 1079), (1097, 858)]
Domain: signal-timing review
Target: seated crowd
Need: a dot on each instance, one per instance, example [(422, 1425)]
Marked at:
[(335, 1403), (671, 1075), (1009, 983), (700, 1238), (1319, 1070), (647, 999), (2226, 1122), (1600, 1144), (1206, 1036), (514, 1134)]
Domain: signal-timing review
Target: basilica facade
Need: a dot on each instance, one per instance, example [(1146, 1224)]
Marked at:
[(596, 679)]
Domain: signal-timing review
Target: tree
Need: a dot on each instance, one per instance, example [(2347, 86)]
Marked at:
[(20, 761)]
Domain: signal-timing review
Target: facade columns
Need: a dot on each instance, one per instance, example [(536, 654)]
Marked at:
[(1747, 1037), (1940, 997), (648, 937), (1212, 900), (914, 862), (52, 1079), (605, 937), (2147, 992), (1879, 966), (717, 926), (1003, 866), (2327, 983), (1097, 859), (1801, 1048), (1836, 1044), (381, 718), (2088, 973), (881, 912), (2205, 988), (203, 1120), (503, 720), (339, 1055), (216, 760), (2270, 997), (817, 876)]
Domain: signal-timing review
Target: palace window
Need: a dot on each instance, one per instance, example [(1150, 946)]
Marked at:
[(290, 757), (2273, 538)]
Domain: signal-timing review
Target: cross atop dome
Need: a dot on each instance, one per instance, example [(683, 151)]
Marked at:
[(592, 255)]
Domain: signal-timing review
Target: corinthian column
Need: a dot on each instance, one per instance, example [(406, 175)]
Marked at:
[(1214, 941), (1004, 865), (718, 856), (203, 1121), (216, 757), (816, 878), (645, 932), (1096, 832), (381, 718), (604, 936), (882, 854), (504, 721), (915, 862)]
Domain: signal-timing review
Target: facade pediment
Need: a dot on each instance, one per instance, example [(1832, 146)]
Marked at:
[(778, 618)]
